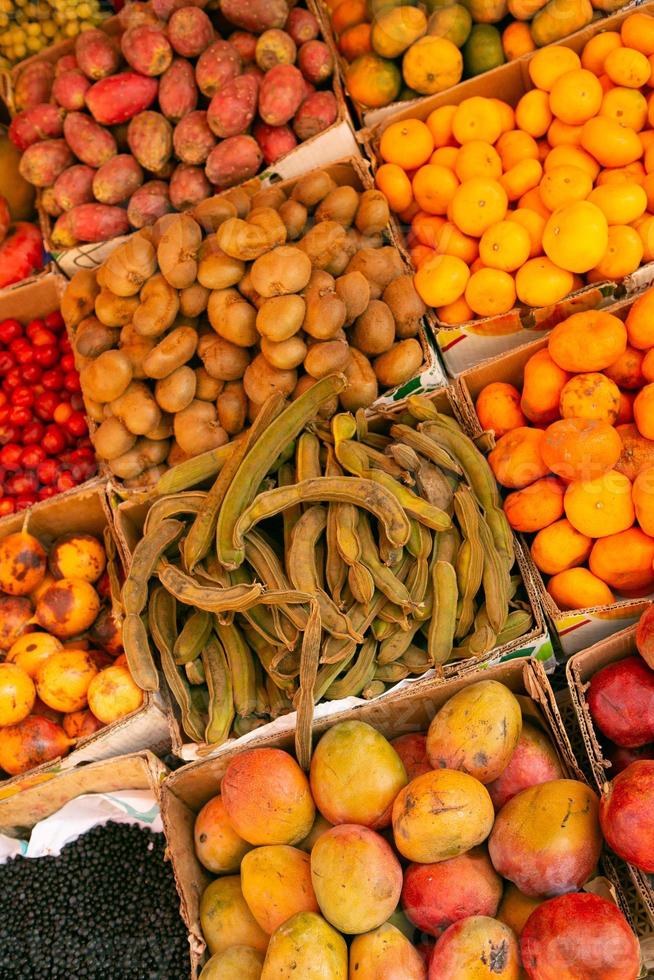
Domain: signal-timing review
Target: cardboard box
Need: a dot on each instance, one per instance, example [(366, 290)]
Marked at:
[(129, 517), (334, 143), (86, 510), (580, 670), (574, 629), (477, 340), (188, 789)]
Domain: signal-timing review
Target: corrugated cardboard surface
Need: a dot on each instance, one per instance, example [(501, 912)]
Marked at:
[(86, 510), (467, 344), (129, 517), (579, 628), (188, 789), (580, 670)]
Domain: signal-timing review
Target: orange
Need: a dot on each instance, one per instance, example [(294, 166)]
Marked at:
[(624, 560), (439, 123), (507, 115), (515, 146), (516, 460), (534, 202), (517, 40), (541, 283), (455, 313), (407, 215), (441, 280), (646, 136), (490, 292), (577, 588), (640, 322), (626, 413), (644, 411), (521, 178), (373, 81), (543, 149), (611, 144), (601, 506), (595, 51), (542, 384), (535, 507), (627, 371), (627, 106), (419, 254), (649, 159), (478, 159), (581, 448), (498, 408), (355, 41), (590, 396), (572, 156), (561, 134), (576, 97), (643, 497), (476, 266), (564, 185), (620, 203), (648, 187), (628, 67), (505, 246), (450, 241), (17, 694), (478, 204), (646, 233), (623, 255), (558, 547), (477, 118), (434, 187), (587, 341), (533, 223), (348, 14), (634, 173), (425, 228), (432, 64), (548, 64), (637, 31), (408, 143), (576, 236), (533, 113), (393, 182), (445, 156), (31, 650), (606, 83)]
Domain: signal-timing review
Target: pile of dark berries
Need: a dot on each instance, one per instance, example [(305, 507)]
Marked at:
[(105, 909)]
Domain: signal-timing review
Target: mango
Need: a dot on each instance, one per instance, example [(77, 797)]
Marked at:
[(320, 826), (486, 11), (559, 18), (476, 731), (355, 775), (385, 953), (477, 948), (226, 919), (356, 877), (440, 815), (534, 761), (267, 797), (305, 946), (276, 883), (547, 839), (236, 963), (396, 29), (217, 845), (515, 908)]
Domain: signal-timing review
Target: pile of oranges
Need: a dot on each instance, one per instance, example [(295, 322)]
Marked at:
[(575, 448), (523, 205)]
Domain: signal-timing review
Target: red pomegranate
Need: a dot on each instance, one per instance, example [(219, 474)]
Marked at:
[(645, 636), (621, 702), (620, 758), (627, 814), (579, 936)]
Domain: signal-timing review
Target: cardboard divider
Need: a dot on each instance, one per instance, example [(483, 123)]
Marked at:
[(580, 670), (467, 344), (335, 142), (87, 511), (188, 789), (129, 517), (579, 628)]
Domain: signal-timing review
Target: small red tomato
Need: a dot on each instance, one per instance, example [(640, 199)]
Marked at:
[(10, 330), (48, 471), (54, 440), (20, 415), (46, 357), (5, 411), (43, 338), (62, 412), (7, 506), (67, 362), (21, 483), (10, 456), (25, 355), (72, 382), (13, 377), (65, 482), (46, 492), (77, 402), (18, 343), (34, 326), (33, 433), (54, 321), (25, 500), (76, 425), (45, 405), (82, 452), (31, 456), (64, 345), (9, 434), (52, 380), (7, 361), (32, 374), (22, 397), (3, 399)]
